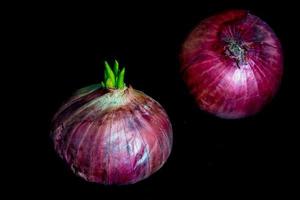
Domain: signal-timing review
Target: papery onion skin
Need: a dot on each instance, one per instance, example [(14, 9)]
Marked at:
[(232, 64), (112, 136)]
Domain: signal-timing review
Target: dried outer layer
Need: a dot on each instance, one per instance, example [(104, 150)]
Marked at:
[(232, 64), (112, 136)]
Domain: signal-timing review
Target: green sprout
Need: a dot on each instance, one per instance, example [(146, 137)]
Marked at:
[(113, 79)]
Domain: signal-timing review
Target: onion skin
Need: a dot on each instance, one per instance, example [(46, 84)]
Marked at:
[(232, 64), (112, 136)]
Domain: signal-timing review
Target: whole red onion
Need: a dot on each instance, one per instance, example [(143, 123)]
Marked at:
[(232, 64), (112, 134)]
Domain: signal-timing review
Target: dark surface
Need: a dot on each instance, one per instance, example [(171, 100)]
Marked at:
[(70, 43)]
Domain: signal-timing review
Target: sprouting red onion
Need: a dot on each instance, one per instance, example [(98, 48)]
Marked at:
[(112, 134), (232, 64)]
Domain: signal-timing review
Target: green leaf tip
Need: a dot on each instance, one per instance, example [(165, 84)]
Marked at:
[(120, 82), (102, 84), (116, 67), (110, 74), (113, 79)]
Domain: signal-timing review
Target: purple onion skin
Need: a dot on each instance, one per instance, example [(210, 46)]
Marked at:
[(112, 136), (227, 81)]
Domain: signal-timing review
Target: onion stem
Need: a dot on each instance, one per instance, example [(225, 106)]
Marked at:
[(235, 51), (113, 79)]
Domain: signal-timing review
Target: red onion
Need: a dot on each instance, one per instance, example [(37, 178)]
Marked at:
[(112, 134), (232, 64)]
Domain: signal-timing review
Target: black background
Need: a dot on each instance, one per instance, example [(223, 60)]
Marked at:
[(67, 44)]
